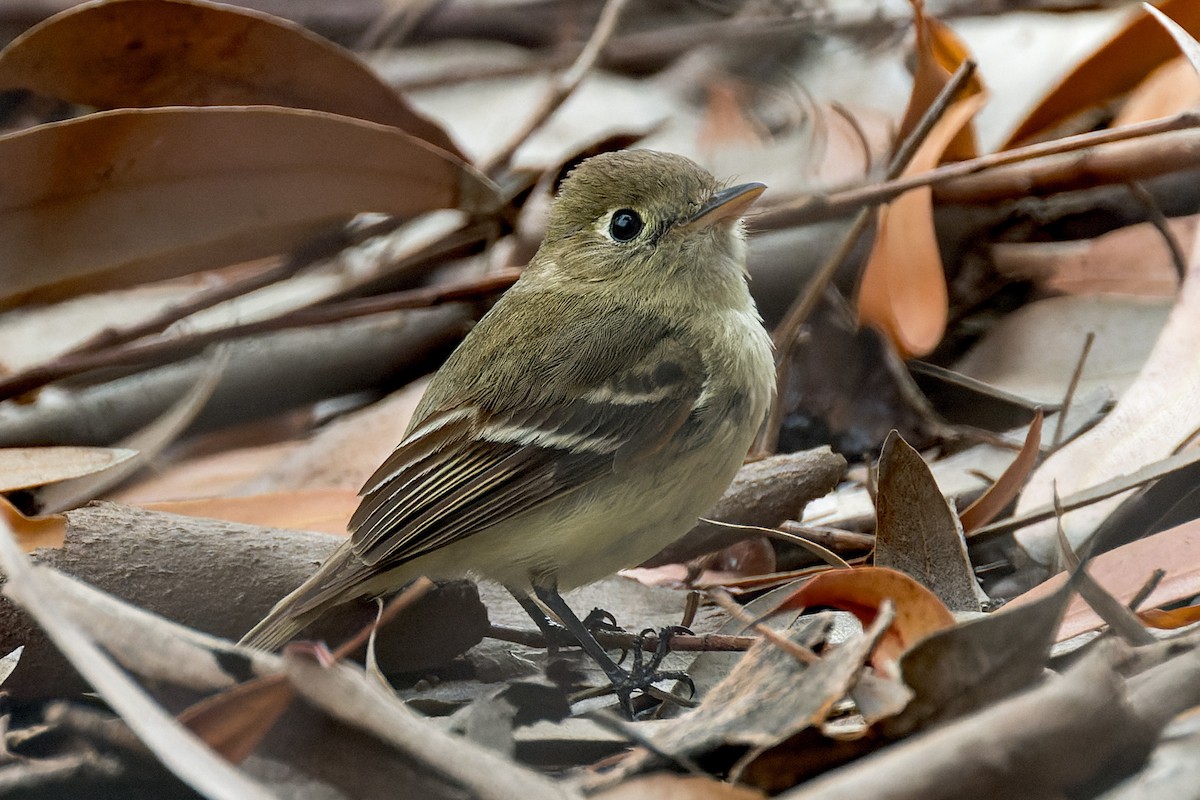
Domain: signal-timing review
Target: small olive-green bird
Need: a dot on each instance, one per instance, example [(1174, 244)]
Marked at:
[(592, 415)]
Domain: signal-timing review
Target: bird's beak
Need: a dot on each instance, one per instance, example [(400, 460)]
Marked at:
[(728, 203)]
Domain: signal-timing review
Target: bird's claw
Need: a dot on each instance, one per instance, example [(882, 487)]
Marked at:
[(600, 620), (644, 673)]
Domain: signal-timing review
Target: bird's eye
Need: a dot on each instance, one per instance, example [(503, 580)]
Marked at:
[(625, 224)]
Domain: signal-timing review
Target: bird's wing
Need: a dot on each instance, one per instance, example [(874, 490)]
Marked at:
[(462, 469)]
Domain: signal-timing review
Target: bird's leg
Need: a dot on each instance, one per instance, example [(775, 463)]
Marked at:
[(624, 682), (555, 635)]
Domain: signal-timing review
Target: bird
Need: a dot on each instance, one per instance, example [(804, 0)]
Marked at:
[(601, 406)]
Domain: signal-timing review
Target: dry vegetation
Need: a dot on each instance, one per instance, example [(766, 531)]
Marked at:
[(962, 561)]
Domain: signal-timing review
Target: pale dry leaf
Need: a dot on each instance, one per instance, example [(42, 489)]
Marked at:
[(23, 467), (1159, 412), (917, 530), (141, 53), (178, 750), (1134, 260), (9, 662), (1033, 351), (94, 200)]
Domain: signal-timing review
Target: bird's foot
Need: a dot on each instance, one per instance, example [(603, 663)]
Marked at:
[(644, 672), (603, 621)]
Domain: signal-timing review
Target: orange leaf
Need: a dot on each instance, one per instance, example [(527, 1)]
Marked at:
[(97, 199), (903, 290), (861, 591), (321, 510), (141, 53), (1171, 89), (1172, 619), (939, 54), (1123, 572), (236, 720), (1116, 67), (33, 532), (1007, 486)]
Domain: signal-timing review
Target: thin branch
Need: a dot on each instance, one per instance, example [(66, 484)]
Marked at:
[(788, 330), (831, 205), (1159, 220), (613, 640), (148, 352), (1059, 426), (318, 249), (730, 606), (564, 87)]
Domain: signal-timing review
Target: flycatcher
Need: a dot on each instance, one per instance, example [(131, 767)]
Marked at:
[(600, 407)]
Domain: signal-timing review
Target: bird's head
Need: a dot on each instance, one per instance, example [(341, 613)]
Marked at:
[(647, 219)]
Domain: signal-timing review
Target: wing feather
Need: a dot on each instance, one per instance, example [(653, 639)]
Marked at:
[(464, 469)]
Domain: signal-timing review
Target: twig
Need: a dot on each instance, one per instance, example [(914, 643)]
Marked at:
[(318, 249), (564, 87), (411, 594), (836, 204), (1060, 424), (147, 352), (730, 606), (788, 330), (832, 538), (1159, 220), (1147, 589), (612, 640)]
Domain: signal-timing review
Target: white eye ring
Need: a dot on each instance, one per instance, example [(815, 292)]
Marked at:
[(622, 225)]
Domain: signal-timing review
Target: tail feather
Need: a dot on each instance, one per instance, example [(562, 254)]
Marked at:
[(330, 585), (273, 631)]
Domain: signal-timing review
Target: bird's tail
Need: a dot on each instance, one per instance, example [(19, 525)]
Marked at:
[(327, 587)]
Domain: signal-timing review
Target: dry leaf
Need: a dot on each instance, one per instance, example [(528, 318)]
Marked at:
[(234, 722), (321, 510), (1033, 351), (669, 786), (1158, 413), (768, 697), (862, 591), (903, 290), (23, 467), (1008, 485), (917, 531), (1123, 571), (1117, 66), (179, 751), (963, 668), (142, 53), (1170, 89), (98, 200), (1170, 619), (1186, 43), (147, 443), (1134, 260), (32, 533)]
